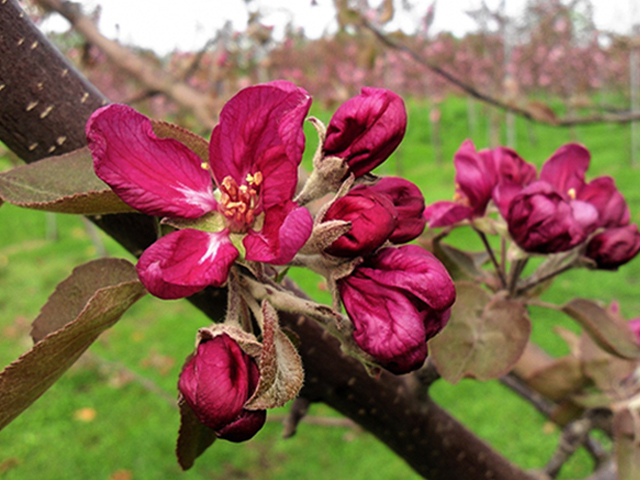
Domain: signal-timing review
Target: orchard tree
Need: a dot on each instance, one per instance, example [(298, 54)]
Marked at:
[(219, 222)]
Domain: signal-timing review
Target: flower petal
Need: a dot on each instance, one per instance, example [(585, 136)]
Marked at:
[(565, 169), (260, 130), (443, 214), (285, 231), (185, 262), (605, 197), (157, 176)]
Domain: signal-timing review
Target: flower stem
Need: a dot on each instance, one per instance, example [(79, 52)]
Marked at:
[(492, 256)]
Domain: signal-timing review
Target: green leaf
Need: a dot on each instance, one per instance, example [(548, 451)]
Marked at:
[(610, 333), (484, 338), (91, 300), (461, 265), (63, 184)]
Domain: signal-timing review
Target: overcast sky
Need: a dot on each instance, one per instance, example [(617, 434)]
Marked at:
[(166, 25)]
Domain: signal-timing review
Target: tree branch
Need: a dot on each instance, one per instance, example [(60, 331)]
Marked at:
[(534, 111)]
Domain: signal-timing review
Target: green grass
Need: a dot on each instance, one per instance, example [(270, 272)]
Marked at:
[(128, 378)]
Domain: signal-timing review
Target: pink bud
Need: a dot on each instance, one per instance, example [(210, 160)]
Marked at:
[(409, 203), (372, 218), (614, 247), (398, 299), (366, 129), (217, 382)]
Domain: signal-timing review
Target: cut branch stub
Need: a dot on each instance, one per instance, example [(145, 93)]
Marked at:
[(626, 431), (63, 184), (73, 328), (610, 333), (484, 338)]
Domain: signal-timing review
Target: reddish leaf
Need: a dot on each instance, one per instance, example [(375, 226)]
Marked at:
[(559, 379), (64, 184), (196, 143), (607, 371), (484, 338), (610, 333), (194, 437), (22, 382), (461, 265)]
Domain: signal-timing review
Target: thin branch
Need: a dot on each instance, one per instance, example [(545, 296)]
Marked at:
[(534, 111), (492, 256)]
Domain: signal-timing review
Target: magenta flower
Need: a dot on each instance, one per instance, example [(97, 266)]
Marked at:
[(254, 154), (540, 220), (580, 207), (398, 299), (217, 382), (614, 247), (372, 217), (480, 176), (366, 129), (409, 203)]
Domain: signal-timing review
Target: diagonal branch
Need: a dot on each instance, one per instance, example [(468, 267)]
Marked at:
[(534, 111), (153, 78)]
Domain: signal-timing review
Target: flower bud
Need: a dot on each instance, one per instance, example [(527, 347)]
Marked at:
[(409, 203), (540, 220), (372, 218), (217, 382), (614, 247), (398, 299), (366, 129)]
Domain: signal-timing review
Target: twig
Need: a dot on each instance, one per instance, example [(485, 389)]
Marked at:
[(534, 113), (492, 256), (541, 403)]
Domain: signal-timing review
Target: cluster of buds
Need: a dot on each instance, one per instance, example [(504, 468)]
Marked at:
[(557, 211), (229, 214)]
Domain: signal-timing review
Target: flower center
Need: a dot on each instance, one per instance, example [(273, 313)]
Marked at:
[(240, 202)]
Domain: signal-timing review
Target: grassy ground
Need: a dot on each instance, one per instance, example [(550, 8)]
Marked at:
[(113, 416)]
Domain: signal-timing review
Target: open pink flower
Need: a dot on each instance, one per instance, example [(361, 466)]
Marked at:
[(398, 299), (480, 176), (254, 154)]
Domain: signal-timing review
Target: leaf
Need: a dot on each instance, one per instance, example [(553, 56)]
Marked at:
[(559, 379), (63, 184), (607, 371), (461, 265), (196, 143), (194, 437), (22, 382), (281, 373), (626, 431), (484, 338), (610, 333)]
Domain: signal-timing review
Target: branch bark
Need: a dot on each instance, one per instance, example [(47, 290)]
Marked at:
[(432, 442)]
